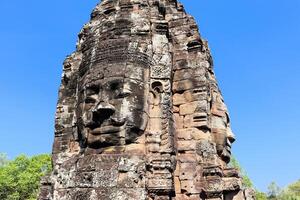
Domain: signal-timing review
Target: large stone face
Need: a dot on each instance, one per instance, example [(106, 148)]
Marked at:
[(140, 115)]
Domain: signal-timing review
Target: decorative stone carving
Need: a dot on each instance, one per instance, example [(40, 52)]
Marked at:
[(112, 106), (140, 115)]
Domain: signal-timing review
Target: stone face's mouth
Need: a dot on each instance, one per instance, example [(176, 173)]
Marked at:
[(228, 146), (107, 129), (228, 149), (226, 154)]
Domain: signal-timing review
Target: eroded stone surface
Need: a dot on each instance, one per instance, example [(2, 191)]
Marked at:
[(140, 114)]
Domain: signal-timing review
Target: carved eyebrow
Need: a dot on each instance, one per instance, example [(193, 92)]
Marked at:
[(113, 83), (91, 89), (124, 93), (92, 86)]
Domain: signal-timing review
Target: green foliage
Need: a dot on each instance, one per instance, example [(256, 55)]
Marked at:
[(19, 179), (261, 196), (288, 195), (292, 192), (274, 191), (3, 159), (295, 188), (247, 183)]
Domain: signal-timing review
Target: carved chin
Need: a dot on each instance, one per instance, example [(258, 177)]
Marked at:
[(112, 136), (103, 140)]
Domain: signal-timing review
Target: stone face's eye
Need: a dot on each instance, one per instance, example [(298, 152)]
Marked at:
[(89, 100), (124, 93), (114, 86), (91, 90)]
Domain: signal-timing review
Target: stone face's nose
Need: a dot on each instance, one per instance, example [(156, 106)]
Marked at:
[(230, 135), (103, 111)]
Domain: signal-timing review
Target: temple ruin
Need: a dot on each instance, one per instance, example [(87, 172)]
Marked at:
[(140, 114)]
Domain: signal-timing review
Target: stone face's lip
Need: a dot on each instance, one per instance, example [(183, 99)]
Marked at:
[(227, 152), (106, 129), (228, 148)]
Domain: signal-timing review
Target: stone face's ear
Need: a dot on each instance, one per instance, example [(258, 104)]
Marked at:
[(157, 87), (155, 90)]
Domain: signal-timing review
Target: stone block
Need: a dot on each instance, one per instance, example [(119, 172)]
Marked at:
[(154, 148), (135, 149), (131, 180), (105, 178), (218, 122), (177, 185), (188, 108), (187, 171), (178, 121), (186, 145), (206, 149), (196, 94), (189, 187), (231, 184), (155, 124), (184, 74), (193, 134), (160, 184), (180, 86), (131, 163), (218, 110), (97, 162), (197, 120), (198, 134), (187, 197), (183, 134), (180, 61), (120, 194), (187, 158), (178, 99), (175, 109)]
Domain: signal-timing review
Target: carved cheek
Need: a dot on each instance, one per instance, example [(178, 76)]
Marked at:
[(126, 109), (87, 107), (129, 109), (218, 122), (80, 108)]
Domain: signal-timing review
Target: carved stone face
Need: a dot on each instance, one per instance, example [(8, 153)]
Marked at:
[(222, 133), (112, 105), (223, 139)]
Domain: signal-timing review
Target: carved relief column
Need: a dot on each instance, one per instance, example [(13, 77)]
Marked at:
[(160, 132)]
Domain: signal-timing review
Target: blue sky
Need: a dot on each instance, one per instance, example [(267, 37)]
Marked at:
[(255, 45)]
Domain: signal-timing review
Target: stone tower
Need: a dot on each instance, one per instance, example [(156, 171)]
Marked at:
[(140, 115)]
